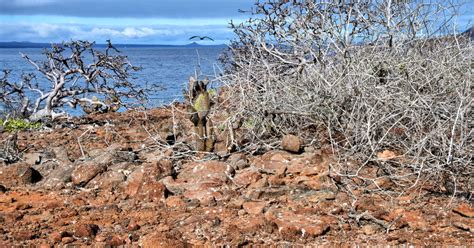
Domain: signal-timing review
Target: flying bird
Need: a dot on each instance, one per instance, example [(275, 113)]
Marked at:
[(201, 37)]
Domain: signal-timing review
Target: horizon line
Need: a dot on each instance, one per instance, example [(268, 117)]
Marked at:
[(194, 43)]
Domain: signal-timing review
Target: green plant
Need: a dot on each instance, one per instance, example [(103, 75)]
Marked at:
[(212, 92), (199, 105), (12, 125)]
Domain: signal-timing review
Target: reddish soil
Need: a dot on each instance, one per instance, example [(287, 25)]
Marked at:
[(112, 180)]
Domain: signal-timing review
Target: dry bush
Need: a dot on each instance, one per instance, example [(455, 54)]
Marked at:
[(366, 76), (76, 73)]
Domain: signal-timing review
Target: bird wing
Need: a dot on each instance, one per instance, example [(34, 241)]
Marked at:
[(193, 37), (207, 37)]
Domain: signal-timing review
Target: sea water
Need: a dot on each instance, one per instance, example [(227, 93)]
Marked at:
[(164, 74)]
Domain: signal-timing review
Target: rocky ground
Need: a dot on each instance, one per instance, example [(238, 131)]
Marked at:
[(114, 179)]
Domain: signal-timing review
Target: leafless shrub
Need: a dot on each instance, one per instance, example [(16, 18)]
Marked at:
[(374, 75), (76, 73)]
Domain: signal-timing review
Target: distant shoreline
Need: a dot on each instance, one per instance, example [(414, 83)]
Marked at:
[(16, 44)]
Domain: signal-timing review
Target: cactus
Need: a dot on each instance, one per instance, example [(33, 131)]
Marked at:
[(199, 105)]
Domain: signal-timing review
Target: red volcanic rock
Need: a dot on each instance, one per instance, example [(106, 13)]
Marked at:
[(114, 241), (238, 161), (370, 229), (297, 226), (133, 226), (175, 201), (28, 175), (254, 208), (86, 172), (44, 246), (67, 240), (276, 167), (143, 183), (25, 235), (161, 240), (86, 230), (58, 236), (246, 177), (214, 171)]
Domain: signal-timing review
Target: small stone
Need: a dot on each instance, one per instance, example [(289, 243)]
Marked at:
[(370, 229), (159, 239), (44, 246), (214, 171), (29, 175), (68, 213), (22, 206), (86, 230), (309, 149), (254, 208), (32, 158), (133, 226), (247, 177), (86, 172), (24, 235), (100, 238), (56, 237), (67, 240), (114, 241), (143, 183), (7, 199), (386, 155), (238, 161), (296, 226), (236, 204), (175, 201), (291, 143)]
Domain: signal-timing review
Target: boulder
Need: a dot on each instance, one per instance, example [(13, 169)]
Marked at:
[(291, 143), (28, 175), (84, 173), (86, 230)]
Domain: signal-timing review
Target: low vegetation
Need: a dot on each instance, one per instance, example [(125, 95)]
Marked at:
[(13, 125), (363, 78)]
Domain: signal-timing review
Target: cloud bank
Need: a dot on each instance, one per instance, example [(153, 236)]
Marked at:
[(131, 21), (122, 21)]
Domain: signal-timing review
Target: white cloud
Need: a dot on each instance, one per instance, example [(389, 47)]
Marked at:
[(42, 31), (128, 32), (101, 32), (138, 32)]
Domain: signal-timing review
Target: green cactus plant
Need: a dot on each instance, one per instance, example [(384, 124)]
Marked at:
[(199, 105)]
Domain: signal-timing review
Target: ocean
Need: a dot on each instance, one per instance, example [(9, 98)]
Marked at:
[(164, 75)]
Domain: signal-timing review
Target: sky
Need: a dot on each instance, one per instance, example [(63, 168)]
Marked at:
[(131, 21), (122, 21)]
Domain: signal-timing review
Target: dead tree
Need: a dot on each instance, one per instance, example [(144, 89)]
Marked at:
[(73, 73)]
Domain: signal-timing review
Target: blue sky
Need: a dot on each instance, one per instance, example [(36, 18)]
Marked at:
[(122, 21), (130, 21)]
